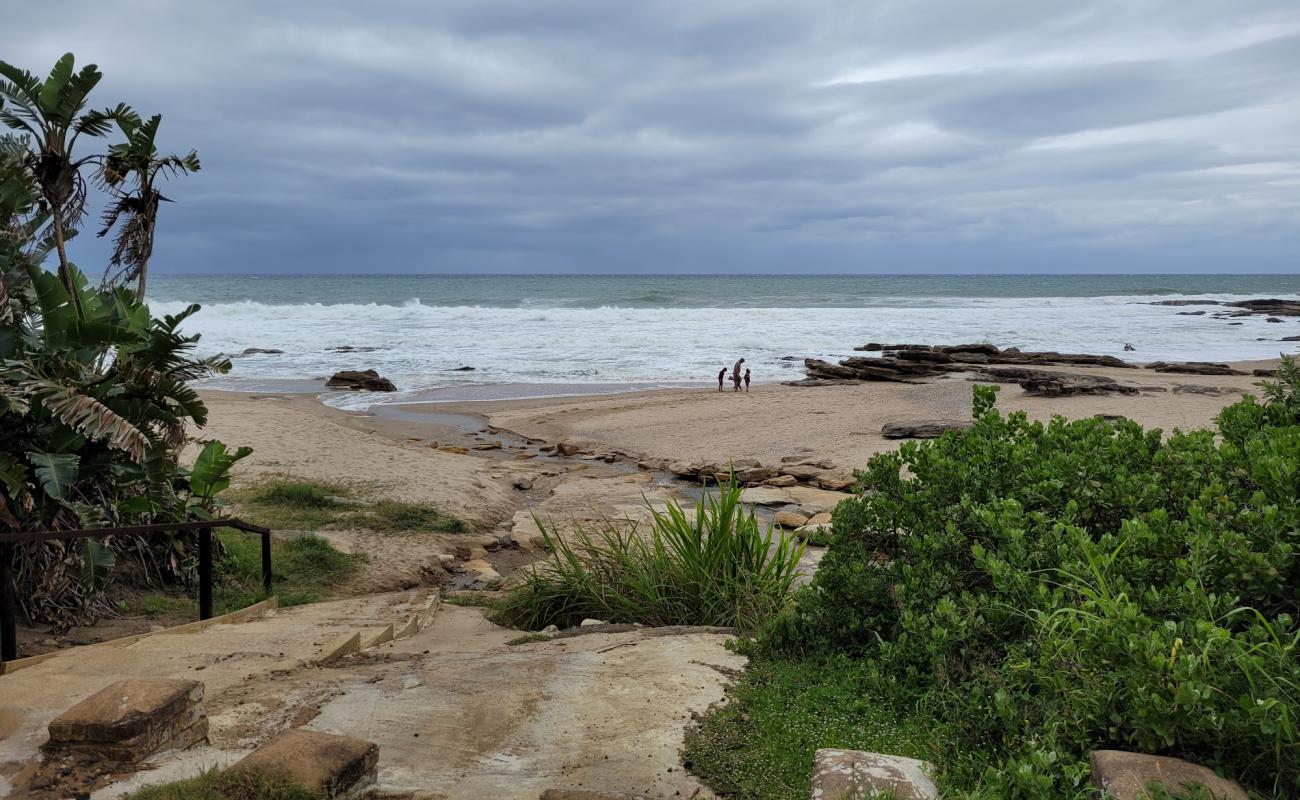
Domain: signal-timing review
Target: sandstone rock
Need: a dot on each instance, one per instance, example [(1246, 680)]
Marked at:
[(130, 720), (790, 519), (592, 623), (923, 429), (834, 483), (1194, 368), (766, 496), (1067, 385), (479, 574), (461, 451), (567, 449), (755, 474), (488, 446), (814, 534), (586, 794), (801, 472), (814, 501), (336, 766), (1125, 776), (523, 484), (855, 775), (781, 481), (360, 380), (1195, 388)]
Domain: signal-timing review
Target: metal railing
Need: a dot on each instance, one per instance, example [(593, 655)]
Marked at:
[(204, 528)]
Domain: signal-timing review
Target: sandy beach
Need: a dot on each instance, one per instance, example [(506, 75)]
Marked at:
[(396, 448)]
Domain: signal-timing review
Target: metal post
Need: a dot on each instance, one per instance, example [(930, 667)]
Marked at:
[(205, 573), (266, 563), (8, 612)]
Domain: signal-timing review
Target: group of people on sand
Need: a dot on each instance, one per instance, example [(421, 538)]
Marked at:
[(736, 377)]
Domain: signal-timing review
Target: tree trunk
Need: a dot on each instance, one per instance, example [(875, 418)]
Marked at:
[(65, 271)]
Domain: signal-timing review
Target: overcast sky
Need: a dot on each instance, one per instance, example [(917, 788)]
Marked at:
[(706, 135)]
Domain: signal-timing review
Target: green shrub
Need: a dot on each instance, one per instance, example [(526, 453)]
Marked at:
[(302, 504), (1042, 590), (716, 567), (398, 516), (297, 494)]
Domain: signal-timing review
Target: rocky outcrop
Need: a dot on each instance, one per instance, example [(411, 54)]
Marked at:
[(923, 428), (1194, 368), (1212, 391), (1066, 385), (912, 363), (1185, 303), (261, 351), (1271, 306), (360, 380)]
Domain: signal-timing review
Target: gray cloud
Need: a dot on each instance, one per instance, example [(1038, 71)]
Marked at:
[(585, 135)]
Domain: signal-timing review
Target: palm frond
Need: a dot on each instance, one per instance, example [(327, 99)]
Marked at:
[(89, 417)]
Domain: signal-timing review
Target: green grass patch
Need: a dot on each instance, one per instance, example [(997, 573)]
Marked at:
[(303, 570), (228, 785), (713, 567), (400, 517), (300, 504), (158, 604), (760, 744)]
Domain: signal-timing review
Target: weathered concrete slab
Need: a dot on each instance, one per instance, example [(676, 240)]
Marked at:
[(131, 720), (338, 766), (856, 775), (1125, 776)]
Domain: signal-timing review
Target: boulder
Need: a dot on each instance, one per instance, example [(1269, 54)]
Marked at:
[(923, 428), (1274, 319), (756, 474), (790, 519), (1264, 373), (821, 518), (360, 381), (332, 765), (819, 534), (856, 775), (781, 481), (871, 347), (592, 623), (834, 483), (1126, 776), (567, 449)]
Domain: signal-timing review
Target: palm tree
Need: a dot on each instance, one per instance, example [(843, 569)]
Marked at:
[(51, 112), (130, 173)]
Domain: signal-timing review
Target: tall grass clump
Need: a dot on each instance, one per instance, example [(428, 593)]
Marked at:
[(715, 566)]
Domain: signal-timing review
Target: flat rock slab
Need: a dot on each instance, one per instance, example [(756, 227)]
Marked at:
[(338, 766), (856, 775), (583, 794), (923, 428), (131, 720), (1126, 776)]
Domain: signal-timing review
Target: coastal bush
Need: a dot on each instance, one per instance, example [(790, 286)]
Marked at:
[(1034, 591), (713, 567), (95, 404)]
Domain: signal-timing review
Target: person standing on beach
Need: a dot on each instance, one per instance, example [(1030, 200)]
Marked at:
[(722, 373), (746, 381), (735, 374)]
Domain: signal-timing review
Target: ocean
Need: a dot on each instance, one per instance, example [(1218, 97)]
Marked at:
[(541, 335)]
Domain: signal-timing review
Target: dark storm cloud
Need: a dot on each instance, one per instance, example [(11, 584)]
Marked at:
[(677, 136)]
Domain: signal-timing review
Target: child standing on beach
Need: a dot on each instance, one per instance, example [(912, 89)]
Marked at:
[(747, 381), (722, 373)]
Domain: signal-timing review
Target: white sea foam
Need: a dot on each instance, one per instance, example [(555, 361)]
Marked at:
[(420, 346)]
